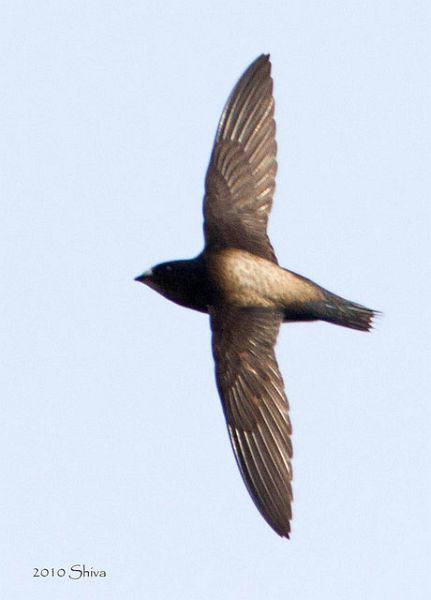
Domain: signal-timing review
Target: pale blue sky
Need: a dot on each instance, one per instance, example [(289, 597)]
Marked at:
[(114, 447)]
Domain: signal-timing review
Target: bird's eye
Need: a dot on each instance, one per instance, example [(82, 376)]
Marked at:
[(169, 268)]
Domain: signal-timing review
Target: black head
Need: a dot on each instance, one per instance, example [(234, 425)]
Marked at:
[(164, 276), (181, 281)]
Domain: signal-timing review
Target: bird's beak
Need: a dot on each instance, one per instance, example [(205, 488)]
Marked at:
[(145, 276)]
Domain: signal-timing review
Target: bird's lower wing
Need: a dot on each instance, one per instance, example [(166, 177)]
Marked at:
[(255, 406)]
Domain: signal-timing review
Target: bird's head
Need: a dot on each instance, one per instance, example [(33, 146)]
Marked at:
[(162, 277), (177, 280)]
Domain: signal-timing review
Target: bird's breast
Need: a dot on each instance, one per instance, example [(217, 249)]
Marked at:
[(243, 279)]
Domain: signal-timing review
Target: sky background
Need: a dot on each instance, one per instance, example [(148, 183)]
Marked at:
[(114, 447)]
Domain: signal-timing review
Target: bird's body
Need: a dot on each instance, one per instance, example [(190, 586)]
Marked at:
[(237, 281), (243, 280), (252, 281)]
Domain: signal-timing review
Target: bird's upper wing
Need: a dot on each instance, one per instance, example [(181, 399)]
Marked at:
[(255, 406), (240, 180)]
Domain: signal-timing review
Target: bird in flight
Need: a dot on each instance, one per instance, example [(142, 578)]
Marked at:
[(237, 281)]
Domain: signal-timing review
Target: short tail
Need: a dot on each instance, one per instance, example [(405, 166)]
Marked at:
[(335, 309)]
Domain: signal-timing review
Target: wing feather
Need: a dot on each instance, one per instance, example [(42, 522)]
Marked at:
[(240, 180), (255, 406)]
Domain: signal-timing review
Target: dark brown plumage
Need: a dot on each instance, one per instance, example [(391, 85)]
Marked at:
[(237, 281)]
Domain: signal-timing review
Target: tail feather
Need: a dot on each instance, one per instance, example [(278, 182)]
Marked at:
[(335, 309)]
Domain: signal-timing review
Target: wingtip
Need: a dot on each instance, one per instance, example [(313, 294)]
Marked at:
[(260, 64), (264, 57), (283, 532), (282, 529)]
